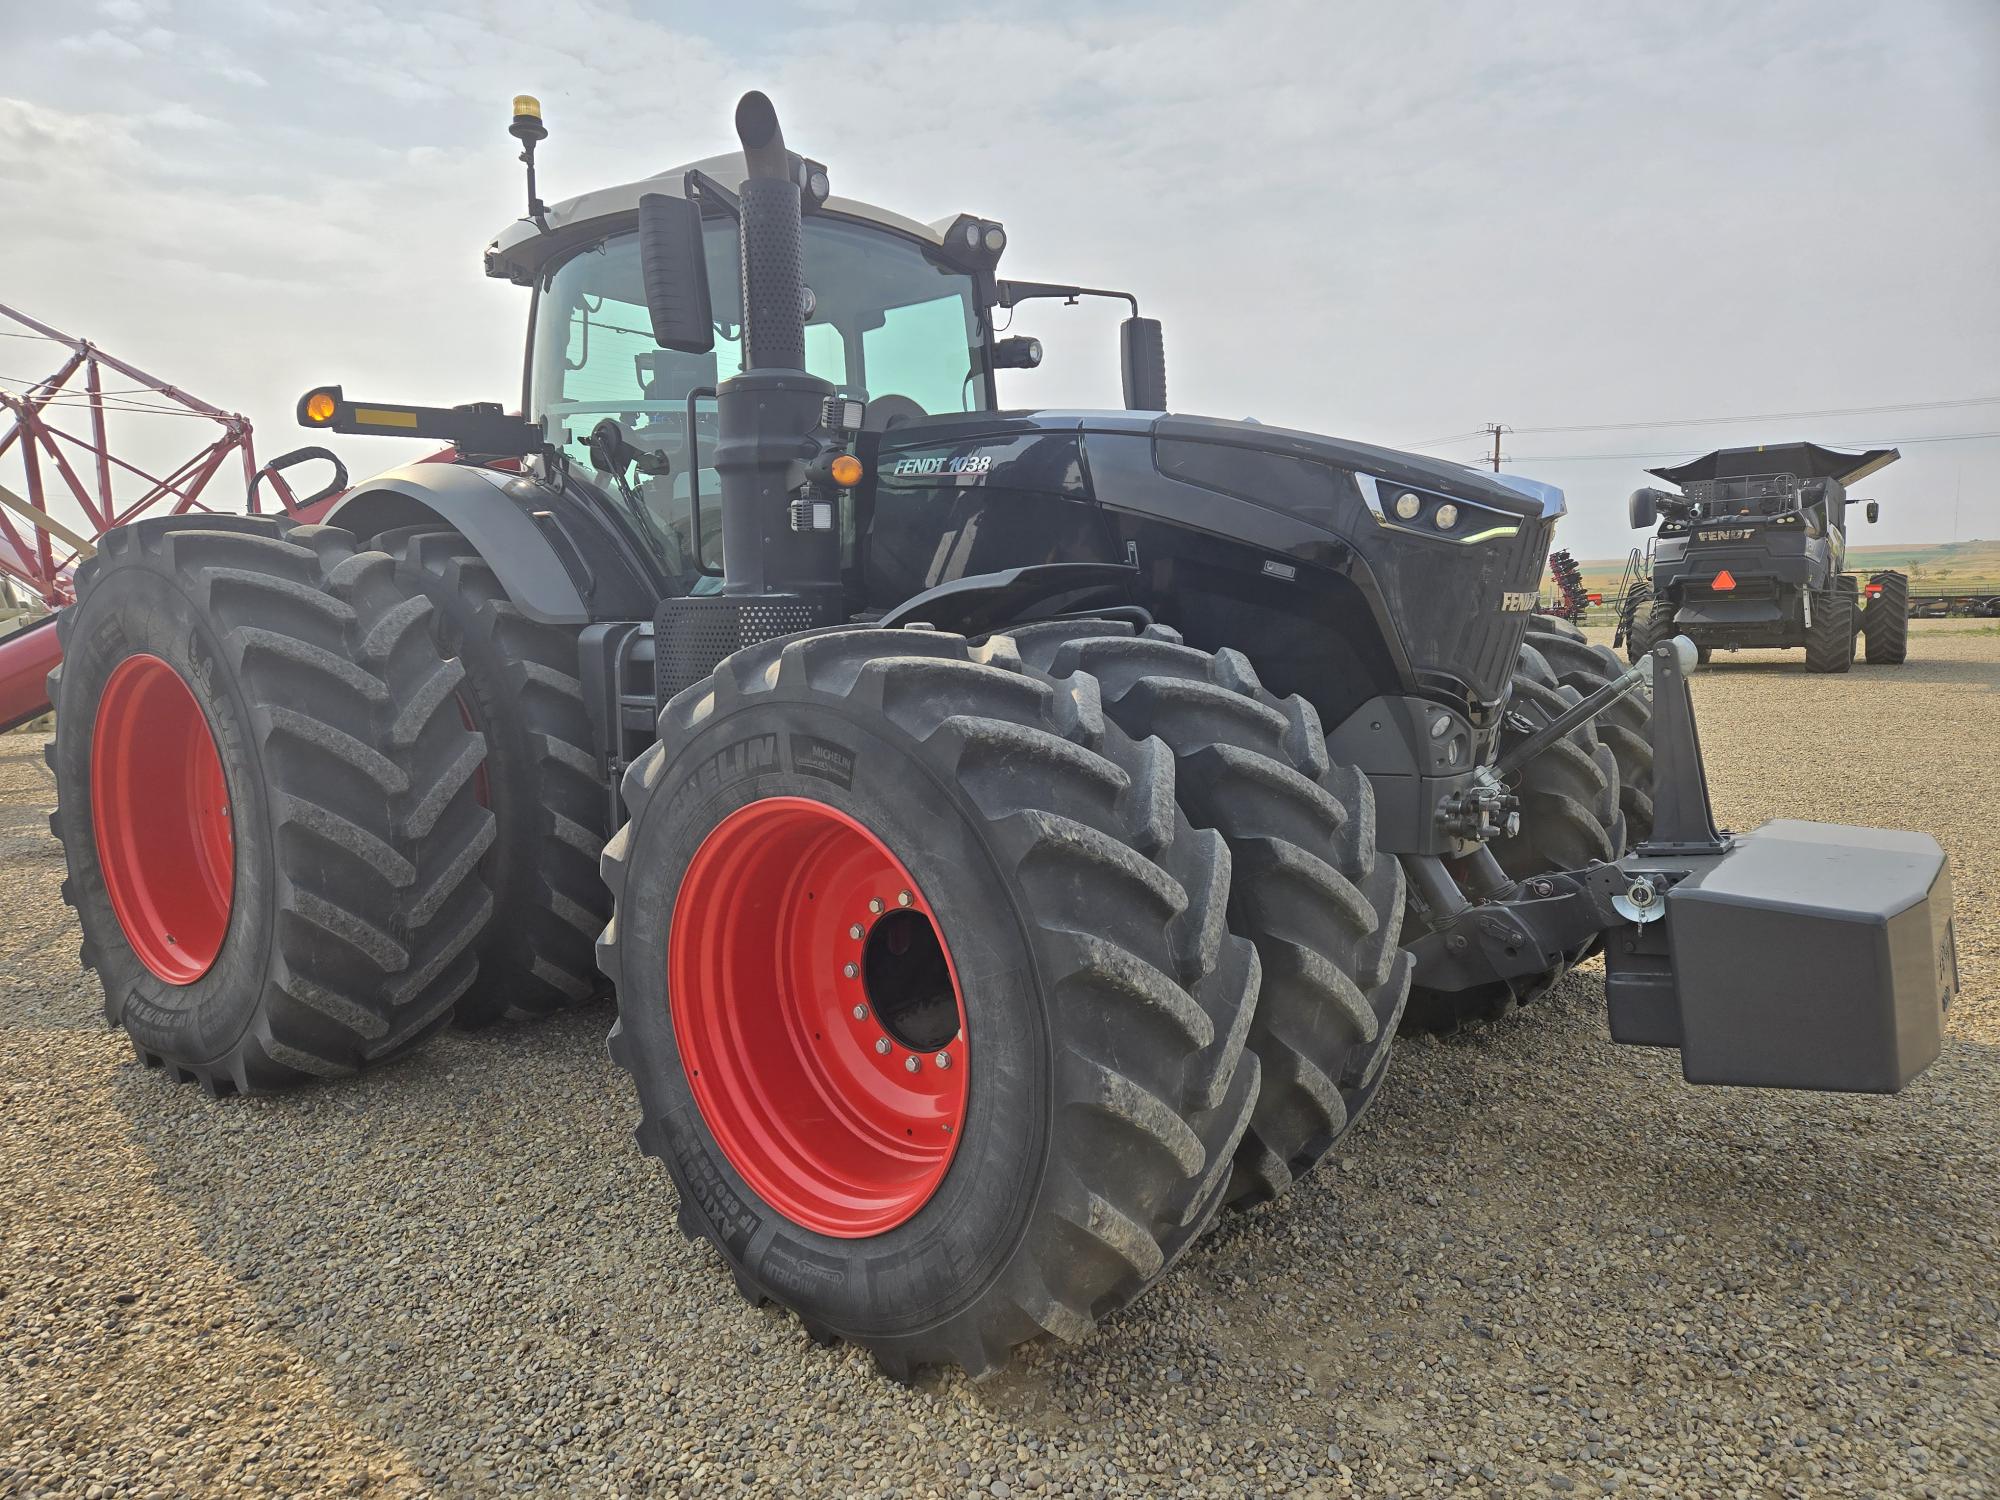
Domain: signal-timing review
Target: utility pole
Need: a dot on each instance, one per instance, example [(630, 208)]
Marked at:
[(1496, 429)]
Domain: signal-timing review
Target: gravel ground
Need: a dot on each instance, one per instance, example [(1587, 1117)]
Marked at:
[(1543, 1265)]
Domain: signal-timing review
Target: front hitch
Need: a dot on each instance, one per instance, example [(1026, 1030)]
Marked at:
[(1801, 955)]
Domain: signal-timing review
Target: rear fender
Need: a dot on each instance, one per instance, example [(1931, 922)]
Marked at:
[(553, 558)]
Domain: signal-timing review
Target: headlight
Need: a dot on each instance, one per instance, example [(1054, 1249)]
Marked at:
[(1446, 517), (1407, 506)]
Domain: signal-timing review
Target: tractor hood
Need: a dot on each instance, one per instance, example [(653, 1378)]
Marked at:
[(1237, 521), (1280, 468)]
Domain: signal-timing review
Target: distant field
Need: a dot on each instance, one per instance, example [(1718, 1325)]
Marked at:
[(1932, 566)]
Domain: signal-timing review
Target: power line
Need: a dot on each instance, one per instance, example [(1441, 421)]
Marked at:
[(1559, 458), (1770, 416)]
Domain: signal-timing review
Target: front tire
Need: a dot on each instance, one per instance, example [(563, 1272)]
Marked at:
[(1625, 729), (1830, 633), (1096, 1010), (265, 801), (1571, 817), (1886, 621), (1309, 889)]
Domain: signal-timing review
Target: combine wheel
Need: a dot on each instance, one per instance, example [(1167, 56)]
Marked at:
[(1886, 621), (1626, 728), (1830, 635), (266, 801), (1637, 622), (522, 692), (1309, 889), (1571, 815), (928, 992)]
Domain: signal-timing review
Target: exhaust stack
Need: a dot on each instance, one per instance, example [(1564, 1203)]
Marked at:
[(780, 550), (773, 261)]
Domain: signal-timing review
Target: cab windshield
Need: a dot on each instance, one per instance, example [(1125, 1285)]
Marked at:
[(887, 325)]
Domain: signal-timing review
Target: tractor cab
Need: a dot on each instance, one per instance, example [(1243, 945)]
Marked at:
[(893, 320)]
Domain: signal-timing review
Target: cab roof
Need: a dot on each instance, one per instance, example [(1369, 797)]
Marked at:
[(521, 251)]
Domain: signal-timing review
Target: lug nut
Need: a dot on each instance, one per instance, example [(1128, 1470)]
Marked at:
[(860, 1012), (875, 903), (911, 1064), (854, 931), (882, 1045), (943, 1059), (904, 898), (850, 970)]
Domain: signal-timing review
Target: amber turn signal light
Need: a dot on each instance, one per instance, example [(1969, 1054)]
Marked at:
[(846, 471)]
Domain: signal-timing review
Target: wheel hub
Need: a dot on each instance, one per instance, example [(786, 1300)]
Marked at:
[(161, 814), (818, 1016)]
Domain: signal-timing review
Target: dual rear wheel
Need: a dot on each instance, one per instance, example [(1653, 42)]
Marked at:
[(266, 801)]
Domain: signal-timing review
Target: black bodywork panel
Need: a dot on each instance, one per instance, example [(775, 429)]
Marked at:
[(1242, 535)]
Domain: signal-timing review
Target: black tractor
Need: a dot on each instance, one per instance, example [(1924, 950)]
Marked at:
[(1751, 553), (1012, 836)]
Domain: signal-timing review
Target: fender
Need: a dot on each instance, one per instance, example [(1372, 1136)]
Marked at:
[(551, 553)]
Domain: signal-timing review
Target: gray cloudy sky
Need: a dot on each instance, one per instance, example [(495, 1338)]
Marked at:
[(1392, 222)]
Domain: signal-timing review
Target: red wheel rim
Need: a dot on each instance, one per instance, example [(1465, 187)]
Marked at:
[(160, 806), (818, 1016)]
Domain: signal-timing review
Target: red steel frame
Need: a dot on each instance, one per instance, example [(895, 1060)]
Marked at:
[(39, 556)]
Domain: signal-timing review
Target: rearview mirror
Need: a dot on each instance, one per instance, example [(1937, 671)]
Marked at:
[(1142, 354), (1874, 512), (1643, 509), (675, 271)]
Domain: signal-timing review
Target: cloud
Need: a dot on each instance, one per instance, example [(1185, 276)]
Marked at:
[(104, 44), (1389, 222)]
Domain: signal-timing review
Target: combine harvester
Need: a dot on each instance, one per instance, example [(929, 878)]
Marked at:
[(1751, 553), (1013, 836)]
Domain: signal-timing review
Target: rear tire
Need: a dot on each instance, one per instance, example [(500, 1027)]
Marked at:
[(1309, 889), (1886, 621), (1830, 635), (522, 692), (1103, 1000), (349, 899)]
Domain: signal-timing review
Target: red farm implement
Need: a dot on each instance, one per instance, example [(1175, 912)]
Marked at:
[(76, 484)]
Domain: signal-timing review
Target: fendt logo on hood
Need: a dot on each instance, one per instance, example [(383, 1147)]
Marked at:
[(1734, 534)]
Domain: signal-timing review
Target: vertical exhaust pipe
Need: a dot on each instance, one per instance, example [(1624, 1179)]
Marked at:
[(767, 416), (773, 260)]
